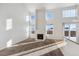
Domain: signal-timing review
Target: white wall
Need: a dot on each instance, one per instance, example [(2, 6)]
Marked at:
[(58, 22), (18, 33), (18, 13)]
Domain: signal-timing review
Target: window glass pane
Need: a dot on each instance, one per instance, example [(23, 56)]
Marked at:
[(49, 15), (72, 26), (66, 27), (32, 29), (33, 17), (66, 33), (73, 33), (8, 24), (27, 18), (70, 29), (49, 28), (33, 23), (69, 13)]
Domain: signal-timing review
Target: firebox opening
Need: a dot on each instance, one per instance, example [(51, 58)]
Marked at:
[(40, 36)]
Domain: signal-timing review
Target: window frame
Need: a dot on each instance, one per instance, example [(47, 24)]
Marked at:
[(49, 30), (9, 24), (33, 23), (68, 13), (49, 15)]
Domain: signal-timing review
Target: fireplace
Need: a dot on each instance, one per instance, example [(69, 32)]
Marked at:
[(40, 36)]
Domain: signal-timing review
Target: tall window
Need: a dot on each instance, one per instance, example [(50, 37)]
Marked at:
[(69, 13), (33, 29), (8, 24), (49, 28), (33, 17), (49, 15), (66, 29), (70, 29), (33, 23)]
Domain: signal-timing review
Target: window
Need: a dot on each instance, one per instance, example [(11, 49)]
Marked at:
[(8, 24), (66, 27), (73, 33), (69, 13), (49, 15), (66, 33), (73, 27), (49, 28), (73, 30), (27, 18), (33, 20), (70, 29), (32, 29), (33, 17), (33, 23)]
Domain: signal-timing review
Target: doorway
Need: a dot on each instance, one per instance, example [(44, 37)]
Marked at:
[(70, 31)]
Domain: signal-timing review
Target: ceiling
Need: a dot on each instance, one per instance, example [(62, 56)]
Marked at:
[(33, 6)]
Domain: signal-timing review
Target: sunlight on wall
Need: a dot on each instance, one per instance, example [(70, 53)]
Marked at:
[(9, 43), (8, 24)]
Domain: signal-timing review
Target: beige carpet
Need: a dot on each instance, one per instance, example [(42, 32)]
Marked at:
[(56, 52), (25, 47)]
